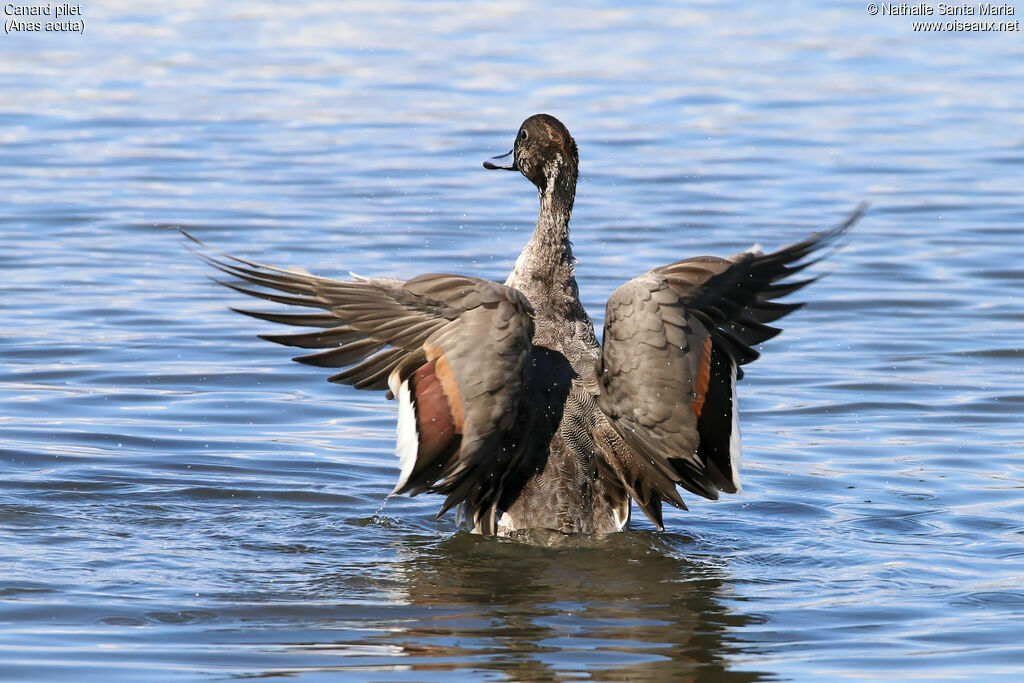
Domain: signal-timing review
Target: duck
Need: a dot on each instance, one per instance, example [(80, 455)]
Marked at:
[(508, 405)]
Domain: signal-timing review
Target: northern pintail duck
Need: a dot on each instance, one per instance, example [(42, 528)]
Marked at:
[(507, 403)]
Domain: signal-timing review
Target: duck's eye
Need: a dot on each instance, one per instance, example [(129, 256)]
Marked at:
[(522, 134)]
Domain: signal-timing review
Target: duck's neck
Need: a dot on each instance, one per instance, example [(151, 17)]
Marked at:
[(544, 271)]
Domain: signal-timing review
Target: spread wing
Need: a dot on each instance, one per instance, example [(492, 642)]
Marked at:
[(452, 349), (674, 341)]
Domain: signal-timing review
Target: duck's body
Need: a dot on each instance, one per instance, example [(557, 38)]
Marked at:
[(508, 404), (565, 491)]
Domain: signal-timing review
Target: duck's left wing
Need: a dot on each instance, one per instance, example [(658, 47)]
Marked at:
[(452, 349), (674, 341)]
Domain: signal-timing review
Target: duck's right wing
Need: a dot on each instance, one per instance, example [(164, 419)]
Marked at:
[(452, 349), (674, 341)]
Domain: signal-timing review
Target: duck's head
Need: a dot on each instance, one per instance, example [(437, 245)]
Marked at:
[(544, 152)]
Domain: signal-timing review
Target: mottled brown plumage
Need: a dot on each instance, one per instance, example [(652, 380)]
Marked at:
[(507, 403)]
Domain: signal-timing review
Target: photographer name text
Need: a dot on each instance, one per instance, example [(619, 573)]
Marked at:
[(980, 17)]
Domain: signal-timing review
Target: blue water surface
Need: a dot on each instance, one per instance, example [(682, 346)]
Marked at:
[(179, 501)]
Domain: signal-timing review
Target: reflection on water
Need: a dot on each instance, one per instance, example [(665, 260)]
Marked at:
[(179, 501), (625, 607)]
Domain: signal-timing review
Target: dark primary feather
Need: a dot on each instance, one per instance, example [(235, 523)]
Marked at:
[(734, 297)]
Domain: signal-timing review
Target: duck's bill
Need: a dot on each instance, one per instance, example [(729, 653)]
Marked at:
[(506, 162)]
